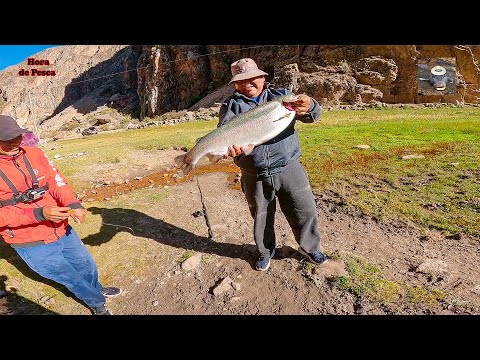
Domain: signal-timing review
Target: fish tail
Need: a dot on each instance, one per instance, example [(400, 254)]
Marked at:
[(188, 168), (183, 165), (180, 160)]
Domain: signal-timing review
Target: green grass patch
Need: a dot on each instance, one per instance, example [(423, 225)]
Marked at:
[(428, 191), (417, 294), (366, 279), (186, 255), (306, 267)]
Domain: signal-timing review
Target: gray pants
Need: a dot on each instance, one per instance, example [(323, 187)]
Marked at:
[(296, 200)]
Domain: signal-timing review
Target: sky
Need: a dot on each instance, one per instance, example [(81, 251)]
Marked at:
[(14, 54)]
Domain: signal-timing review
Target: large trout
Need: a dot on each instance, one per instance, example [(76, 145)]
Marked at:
[(247, 129)]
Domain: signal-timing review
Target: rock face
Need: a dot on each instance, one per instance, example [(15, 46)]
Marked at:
[(172, 78), (332, 74), (86, 78)]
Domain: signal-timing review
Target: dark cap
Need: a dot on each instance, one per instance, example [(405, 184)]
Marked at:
[(9, 129)]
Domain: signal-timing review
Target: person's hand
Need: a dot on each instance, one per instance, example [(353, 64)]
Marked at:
[(56, 213), (78, 215), (233, 151), (302, 105)]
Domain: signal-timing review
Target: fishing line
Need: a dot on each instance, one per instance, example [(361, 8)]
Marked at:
[(133, 232), (205, 213)]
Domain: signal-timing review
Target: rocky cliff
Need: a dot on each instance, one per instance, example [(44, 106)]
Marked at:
[(86, 77), (332, 74)]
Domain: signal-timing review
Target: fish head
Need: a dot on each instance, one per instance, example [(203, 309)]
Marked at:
[(286, 112), (287, 101)]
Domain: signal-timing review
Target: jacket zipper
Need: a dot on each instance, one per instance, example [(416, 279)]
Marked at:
[(51, 222), (24, 176), (267, 158)]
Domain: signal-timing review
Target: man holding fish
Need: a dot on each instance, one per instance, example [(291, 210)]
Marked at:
[(272, 169)]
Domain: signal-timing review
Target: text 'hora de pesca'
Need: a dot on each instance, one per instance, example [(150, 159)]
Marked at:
[(35, 71)]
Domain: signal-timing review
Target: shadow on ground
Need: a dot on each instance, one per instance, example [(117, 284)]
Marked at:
[(13, 304), (142, 225)]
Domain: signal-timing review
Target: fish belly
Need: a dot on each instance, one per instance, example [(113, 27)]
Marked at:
[(252, 131)]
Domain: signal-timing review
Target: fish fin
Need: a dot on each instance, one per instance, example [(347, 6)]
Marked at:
[(182, 164), (214, 158), (188, 168), (280, 118), (247, 149), (180, 160)]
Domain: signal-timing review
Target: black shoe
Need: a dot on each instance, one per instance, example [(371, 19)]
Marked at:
[(111, 291), (315, 257), (263, 262), (102, 310)]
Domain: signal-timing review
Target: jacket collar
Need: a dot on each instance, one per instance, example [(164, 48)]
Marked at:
[(13, 157)]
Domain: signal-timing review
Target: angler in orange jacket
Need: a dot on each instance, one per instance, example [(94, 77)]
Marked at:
[(35, 204)]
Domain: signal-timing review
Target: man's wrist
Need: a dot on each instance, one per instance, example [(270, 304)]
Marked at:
[(312, 106), (38, 213), (75, 205)]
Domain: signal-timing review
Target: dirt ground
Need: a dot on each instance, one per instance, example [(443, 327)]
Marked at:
[(220, 277)]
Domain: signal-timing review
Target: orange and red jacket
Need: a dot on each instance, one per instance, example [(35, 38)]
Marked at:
[(24, 222)]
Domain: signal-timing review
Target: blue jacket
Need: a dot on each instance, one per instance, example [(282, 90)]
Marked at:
[(269, 158)]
